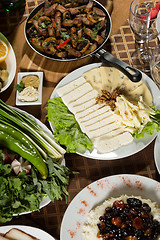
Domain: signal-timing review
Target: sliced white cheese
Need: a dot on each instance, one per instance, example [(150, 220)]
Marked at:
[(77, 93), (85, 113), (102, 122), (103, 117), (100, 131), (108, 135), (93, 123), (90, 96), (107, 129), (99, 112), (83, 106), (70, 86), (106, 144)]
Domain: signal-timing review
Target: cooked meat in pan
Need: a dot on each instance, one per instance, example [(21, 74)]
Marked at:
[(67, 29)]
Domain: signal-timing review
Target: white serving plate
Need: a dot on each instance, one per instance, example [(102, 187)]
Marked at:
[(10, 62), (35, 232), (157, 152), (99, 191), (46, 200), (125, 151), (39, 100)]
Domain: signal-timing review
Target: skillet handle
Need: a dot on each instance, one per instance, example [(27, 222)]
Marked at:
[(133, 74)]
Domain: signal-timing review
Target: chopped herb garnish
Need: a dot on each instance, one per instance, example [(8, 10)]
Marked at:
[(19, 87)]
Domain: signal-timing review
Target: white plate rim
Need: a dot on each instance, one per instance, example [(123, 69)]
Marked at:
[(11, 59), (137, 144), (157, 152), (100, 190), (35, 232)]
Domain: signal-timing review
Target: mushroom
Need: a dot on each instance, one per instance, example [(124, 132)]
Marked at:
[(83, 46)]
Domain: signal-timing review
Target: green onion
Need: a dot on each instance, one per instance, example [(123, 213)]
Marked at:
[(31, 129)]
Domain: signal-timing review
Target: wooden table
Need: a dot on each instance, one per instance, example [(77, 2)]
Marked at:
[(121, 43)]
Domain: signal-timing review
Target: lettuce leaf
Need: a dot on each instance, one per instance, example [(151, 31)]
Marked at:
[(150, 127), (67, 130)]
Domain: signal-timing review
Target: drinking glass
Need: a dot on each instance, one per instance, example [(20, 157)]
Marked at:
[(155, 65), (143, 20)]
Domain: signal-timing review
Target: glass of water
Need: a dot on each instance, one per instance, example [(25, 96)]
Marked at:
[(144, 22), (155, 65)]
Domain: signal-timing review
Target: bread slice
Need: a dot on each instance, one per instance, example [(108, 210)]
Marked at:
[(17, 234)]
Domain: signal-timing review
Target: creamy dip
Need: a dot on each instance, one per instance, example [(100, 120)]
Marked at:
[(90, 229), (29, 94)]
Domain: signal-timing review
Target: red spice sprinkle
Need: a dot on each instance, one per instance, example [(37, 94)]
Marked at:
[(81, 211), (72, 233), (78, 225), (127, 182), (100, 184), (91, 191), (85, 203), (139, 185)]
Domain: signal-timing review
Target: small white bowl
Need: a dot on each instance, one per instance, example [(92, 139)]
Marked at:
[(10, 64), (39, 101)]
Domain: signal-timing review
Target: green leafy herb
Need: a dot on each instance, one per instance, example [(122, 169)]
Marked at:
[(150, 127), (35, 17), (67, 131), (65, 35), (19, 87), (25, 192), (96, 29)]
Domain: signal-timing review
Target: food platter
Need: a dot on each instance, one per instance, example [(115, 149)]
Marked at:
[(45, 200), (10, 64), (100, 190), (157, 152), (125, 151), (35, 232)]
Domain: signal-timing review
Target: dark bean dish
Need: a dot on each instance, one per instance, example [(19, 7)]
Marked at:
[(67, 29), (125, 218)]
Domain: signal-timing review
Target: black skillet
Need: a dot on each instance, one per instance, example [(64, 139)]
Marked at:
[(104, 56)]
